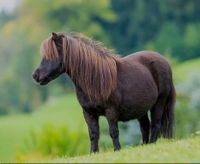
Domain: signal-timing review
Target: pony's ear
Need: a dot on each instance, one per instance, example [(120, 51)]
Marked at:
[(54, 36)]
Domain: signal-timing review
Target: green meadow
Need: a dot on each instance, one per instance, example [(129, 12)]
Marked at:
[(63, 111)]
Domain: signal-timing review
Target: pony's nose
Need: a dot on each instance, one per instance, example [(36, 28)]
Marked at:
[(36, 75)]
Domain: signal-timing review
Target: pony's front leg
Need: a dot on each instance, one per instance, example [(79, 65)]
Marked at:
[(112, 119), (93, 128)]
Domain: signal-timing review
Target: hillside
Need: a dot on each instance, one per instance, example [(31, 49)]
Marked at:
[(186, 151)]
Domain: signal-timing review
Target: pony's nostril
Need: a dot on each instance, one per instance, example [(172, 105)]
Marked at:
[(35, 76)]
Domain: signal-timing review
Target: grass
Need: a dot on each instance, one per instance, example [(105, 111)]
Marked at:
[(186, 69), (62, 111), (176, 151)]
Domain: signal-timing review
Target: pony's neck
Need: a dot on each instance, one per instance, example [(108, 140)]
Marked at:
[(91, 68)]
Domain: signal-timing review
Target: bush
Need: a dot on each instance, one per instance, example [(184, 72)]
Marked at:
[(55, 141)]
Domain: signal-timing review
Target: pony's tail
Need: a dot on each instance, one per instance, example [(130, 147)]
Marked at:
[(168, 118)]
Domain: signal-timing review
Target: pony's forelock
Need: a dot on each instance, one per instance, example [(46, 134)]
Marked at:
[(48, 49)]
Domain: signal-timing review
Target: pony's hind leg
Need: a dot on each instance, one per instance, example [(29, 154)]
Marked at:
[(156, 117), (145, 128)]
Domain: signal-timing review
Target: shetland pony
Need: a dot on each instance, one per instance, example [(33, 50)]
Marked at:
[(120, 89)]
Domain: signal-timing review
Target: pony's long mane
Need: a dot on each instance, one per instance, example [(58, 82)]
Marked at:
[(90, 65)]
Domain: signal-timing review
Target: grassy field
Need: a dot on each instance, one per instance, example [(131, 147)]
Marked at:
[(187, 151), (63, 111)]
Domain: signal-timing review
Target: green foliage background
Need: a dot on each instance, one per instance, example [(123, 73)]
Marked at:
[(170, 27)]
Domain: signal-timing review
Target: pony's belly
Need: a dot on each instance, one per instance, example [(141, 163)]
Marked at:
[(133, 110), (136, 101), (129, 114)]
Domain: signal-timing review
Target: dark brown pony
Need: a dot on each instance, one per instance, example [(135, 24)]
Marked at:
[(121, 89)]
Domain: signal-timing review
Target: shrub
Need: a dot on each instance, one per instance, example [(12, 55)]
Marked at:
[(56, 141)]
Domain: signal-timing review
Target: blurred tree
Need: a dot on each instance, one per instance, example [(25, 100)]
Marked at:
[(137, 23), (141, 23), (73, 15)]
